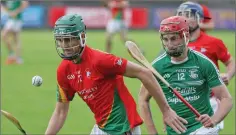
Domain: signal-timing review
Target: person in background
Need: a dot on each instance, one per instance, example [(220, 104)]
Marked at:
[(12, 29), (212, 47)]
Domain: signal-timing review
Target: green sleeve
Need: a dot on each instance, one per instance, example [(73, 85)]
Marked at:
[(212, 74)]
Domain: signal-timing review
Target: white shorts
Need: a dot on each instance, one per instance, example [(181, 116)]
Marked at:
[(13, 25), (206, 131), (214, 106), (114, 26), (97, 131)]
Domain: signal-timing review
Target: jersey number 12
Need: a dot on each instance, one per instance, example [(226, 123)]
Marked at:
[(181, 76)]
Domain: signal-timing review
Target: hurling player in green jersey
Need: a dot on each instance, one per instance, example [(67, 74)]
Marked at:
[(193, 75), (12, 28)]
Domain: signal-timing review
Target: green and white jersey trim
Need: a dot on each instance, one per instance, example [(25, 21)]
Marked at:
[(159, 58)]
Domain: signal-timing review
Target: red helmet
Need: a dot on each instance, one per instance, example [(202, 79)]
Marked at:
[(175, 24)]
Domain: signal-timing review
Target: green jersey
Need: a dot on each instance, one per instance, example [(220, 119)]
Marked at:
[(193, 78), (13, 5)]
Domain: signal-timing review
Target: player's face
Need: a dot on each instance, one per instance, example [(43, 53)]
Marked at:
[(173, 44), (191, 17), (68, 46)]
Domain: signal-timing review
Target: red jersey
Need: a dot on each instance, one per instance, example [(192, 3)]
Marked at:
[(98, 80), (117, 13), (212, 47)]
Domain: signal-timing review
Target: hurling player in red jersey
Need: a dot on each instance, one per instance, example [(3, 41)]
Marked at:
[(210, 46), (116, 24), (97, 77)]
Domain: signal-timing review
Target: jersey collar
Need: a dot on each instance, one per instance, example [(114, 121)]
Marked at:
[(179, 62)]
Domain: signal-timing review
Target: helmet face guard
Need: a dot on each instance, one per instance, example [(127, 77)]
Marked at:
[(193, 12), (69, 46), (70, 36), (178, 50)]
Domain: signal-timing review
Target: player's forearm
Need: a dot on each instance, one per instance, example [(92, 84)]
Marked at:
[(153, 87), (231, 69), (224, 108), (147, 116), (22, 7), (56, 122)]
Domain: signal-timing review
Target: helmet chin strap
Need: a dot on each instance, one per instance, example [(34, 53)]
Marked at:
[(185, 39), (82, 43), (82, 39)]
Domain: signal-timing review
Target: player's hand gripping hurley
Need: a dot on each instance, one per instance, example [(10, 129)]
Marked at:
[(14, 121), (137, 55)]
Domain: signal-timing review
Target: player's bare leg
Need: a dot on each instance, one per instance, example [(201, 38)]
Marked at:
[(123, 36), (16, 38), (109, 37), (6, 37)]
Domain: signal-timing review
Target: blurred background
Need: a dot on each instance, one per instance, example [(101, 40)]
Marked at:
[(142, 14), (33, 106)]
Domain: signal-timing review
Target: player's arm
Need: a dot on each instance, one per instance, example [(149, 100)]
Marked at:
[(110, 65), (225, 57), (58, 118), (24, 4), (64, 96), (221, 92), (230, 66), (60, 112), (145, 111), (152, 86), (146, 77)]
